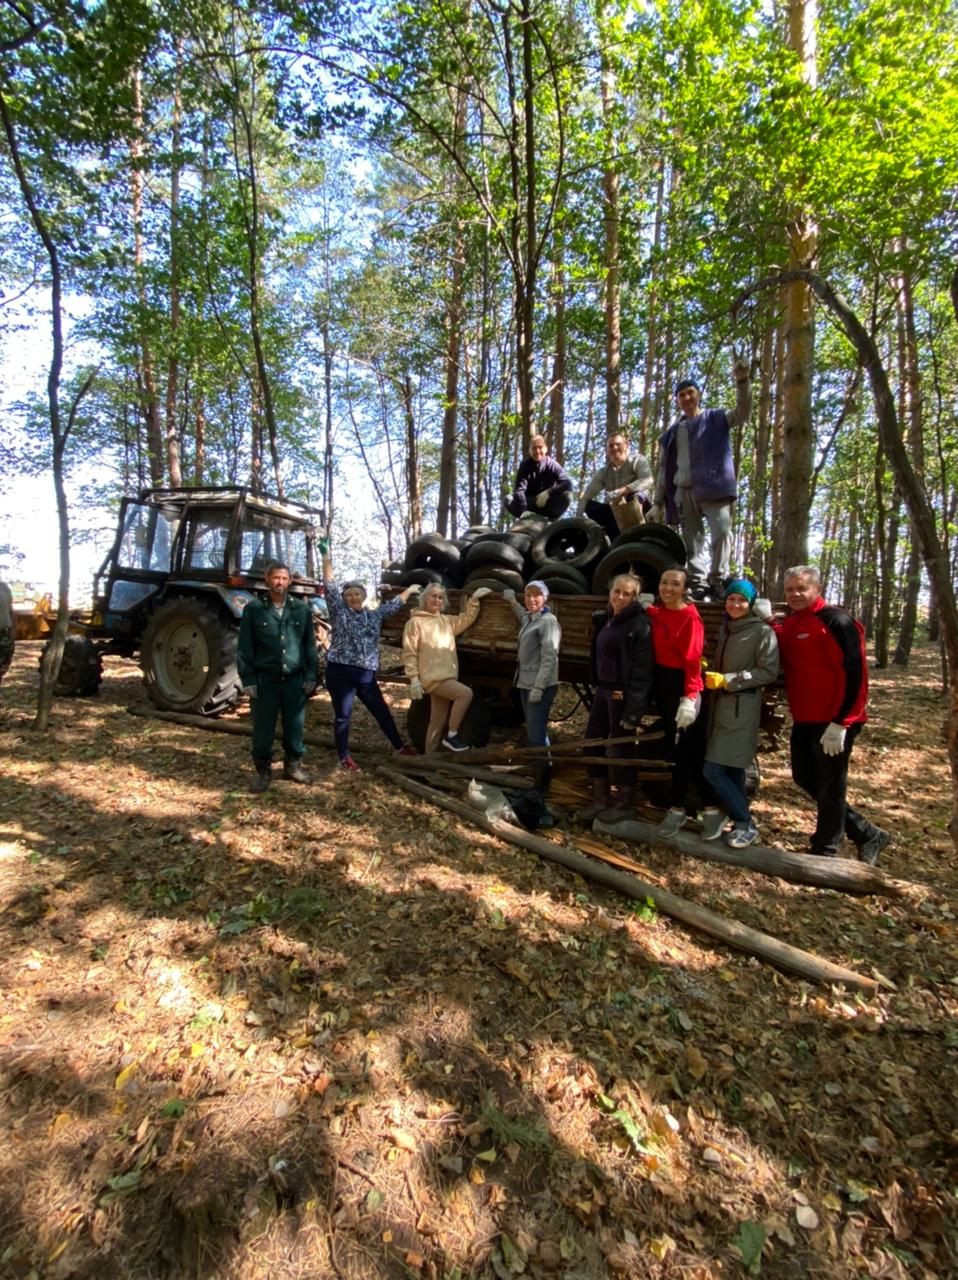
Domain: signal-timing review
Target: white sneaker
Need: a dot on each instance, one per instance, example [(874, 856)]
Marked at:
[(741, 836)]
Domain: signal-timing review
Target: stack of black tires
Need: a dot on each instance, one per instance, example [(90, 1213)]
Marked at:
[(572, 556)]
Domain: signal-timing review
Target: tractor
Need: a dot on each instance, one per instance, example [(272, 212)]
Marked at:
[(183, 566)]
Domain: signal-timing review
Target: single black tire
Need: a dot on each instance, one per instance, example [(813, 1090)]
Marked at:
[(494, 573), (563, 586), (480, 580), (391, 577), (530, 520), (578, 541), (395, 565), (474, 730), (433, 552), (559, 569), (658, 533), (648, 560), (189, 658), (493, 552), (426, 578), (521, 540), (81, 668), (477, 531)]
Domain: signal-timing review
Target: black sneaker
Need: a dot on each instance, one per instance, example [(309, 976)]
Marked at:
[(454, 742), (873, 846)]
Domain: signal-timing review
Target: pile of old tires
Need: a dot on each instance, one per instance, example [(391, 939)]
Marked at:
[(573, 556)]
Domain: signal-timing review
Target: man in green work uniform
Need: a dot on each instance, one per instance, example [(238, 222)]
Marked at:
[(277, 664)]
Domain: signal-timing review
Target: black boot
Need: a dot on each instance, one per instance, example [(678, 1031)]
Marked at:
[(600, 800), (260, 783), (622, 808)]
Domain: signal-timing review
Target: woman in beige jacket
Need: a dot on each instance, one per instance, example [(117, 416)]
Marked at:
[(429, 656)]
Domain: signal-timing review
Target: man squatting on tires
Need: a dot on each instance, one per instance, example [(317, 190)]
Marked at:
[(279, 667), (624, 476), (541, 484)]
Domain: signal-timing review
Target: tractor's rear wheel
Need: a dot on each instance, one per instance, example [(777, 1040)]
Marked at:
[(189, 659), (81, 668)]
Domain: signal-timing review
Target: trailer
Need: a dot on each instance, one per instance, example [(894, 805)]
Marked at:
[(487, 660)]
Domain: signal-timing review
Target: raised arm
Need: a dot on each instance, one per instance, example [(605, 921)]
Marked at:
[(743, 395)]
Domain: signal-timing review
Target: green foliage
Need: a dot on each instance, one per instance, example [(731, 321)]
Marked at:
[(750, 1240)]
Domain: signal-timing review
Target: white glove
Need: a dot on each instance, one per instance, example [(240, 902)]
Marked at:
[(655, 514), (416, 691), (535, 695), (833, 739), (542, 498), (413, 591), (509, 595), (686, 713), (480, 592)]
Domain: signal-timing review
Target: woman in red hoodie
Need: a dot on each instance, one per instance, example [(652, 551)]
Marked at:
[(678, 639)]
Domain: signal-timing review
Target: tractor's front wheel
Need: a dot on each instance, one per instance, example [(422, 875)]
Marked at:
[(81, 668)]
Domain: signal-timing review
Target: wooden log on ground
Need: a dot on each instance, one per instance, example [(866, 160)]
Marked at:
[(803, 964), (443, 765), (416, 764), (845, 874)]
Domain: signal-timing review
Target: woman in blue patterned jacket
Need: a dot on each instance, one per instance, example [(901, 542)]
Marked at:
[(353, 659)]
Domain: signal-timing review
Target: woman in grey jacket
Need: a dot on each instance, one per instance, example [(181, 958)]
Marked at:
[(537, 674), (746, 658)]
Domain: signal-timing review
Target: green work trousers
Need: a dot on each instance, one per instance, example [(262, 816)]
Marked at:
[(275, 695)]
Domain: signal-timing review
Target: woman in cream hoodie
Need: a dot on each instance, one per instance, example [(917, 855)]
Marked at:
[(429, 656)]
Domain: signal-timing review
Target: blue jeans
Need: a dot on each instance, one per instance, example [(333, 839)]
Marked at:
[(345, 683), (728, 783), (537, 715)]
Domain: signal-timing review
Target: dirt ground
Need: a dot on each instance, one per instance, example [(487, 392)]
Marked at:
[(333, 1031)]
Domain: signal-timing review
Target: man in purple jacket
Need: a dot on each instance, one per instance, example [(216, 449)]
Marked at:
[(541, 484), (696, 486)]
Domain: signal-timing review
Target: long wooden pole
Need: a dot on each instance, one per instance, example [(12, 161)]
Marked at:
[(434, 763), (780, 954), (798, 868)]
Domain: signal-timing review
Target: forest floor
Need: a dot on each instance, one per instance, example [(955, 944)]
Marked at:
[(333, 1032)]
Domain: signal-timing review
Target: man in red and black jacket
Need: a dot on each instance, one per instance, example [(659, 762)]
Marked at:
[(822, 649)]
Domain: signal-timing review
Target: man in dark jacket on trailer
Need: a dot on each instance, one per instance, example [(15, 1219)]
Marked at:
[(822, 651), (278, 666)]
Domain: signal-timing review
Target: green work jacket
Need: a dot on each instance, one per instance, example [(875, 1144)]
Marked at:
[(270, 645)]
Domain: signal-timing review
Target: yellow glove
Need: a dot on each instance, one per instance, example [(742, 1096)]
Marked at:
[(714, 680)]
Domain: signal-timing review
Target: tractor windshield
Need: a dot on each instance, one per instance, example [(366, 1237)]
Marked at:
[(263, 540)]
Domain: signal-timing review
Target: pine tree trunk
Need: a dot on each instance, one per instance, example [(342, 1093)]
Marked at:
[(792, 540), (146, 377)]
